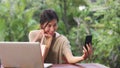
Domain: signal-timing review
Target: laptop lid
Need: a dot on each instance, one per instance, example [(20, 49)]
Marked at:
[(21, 54)]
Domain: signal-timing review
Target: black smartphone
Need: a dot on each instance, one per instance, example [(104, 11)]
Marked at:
[(88, 40)]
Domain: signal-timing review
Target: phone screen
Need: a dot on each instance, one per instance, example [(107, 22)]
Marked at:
[(88, 40)]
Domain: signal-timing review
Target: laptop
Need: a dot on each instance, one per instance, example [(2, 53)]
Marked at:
[(21, 55)]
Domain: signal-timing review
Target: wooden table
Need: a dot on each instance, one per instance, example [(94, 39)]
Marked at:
[(82, 65)]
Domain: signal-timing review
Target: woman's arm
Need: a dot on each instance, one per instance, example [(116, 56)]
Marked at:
[(47, 46), (36, 35), (74, 59)]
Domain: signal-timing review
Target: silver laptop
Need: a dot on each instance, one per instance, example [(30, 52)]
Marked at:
[(21, 55)]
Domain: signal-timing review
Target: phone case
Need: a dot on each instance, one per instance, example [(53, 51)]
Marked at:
[(88, 40)]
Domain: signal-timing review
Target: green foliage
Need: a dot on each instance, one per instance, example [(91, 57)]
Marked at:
[(104, 25), (15, 20)]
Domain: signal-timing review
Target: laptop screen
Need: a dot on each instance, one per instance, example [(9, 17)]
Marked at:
[(21, 54)]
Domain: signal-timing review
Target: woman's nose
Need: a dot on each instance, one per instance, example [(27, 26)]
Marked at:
[(52, 29)]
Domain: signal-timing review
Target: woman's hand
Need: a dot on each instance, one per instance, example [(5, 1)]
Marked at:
[(41, 33), (89, 47), (87, 52), (48, 37)]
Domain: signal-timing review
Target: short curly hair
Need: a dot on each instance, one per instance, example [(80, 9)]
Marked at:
[(47, 16)]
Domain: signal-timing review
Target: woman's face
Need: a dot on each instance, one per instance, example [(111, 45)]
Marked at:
[(50, 27)]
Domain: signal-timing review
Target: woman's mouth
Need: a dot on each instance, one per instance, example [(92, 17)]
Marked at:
[(51, 34)]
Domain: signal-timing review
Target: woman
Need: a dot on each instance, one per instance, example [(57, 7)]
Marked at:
[(57, 47)]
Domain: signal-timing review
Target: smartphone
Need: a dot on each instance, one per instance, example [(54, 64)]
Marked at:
[(88, 40)]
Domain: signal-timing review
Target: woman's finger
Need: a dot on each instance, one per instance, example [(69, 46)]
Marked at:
[(89, 49), (84, 54), (90, 45), (84, 49)]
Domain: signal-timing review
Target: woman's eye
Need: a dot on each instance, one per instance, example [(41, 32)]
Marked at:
[(55, 25), (49, 25)]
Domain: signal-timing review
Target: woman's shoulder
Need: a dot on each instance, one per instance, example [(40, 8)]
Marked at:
[(61, 37), (33, 32)]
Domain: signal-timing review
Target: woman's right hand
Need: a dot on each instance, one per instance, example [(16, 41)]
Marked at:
[(47, 36)]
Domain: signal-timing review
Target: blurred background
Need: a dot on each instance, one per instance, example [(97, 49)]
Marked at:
[(78, 18)]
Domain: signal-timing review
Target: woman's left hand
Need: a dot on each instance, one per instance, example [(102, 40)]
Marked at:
[(87, 52), (89, 47)]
